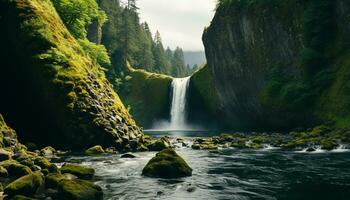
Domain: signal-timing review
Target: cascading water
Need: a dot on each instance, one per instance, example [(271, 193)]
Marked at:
[(178, 104)]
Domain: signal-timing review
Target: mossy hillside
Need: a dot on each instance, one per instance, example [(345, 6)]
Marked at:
[(55, 93), (147, 95)]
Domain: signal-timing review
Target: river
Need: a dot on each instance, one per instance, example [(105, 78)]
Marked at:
[(228, 174)]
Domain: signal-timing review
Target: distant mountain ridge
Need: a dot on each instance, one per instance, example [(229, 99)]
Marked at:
[(194, 57)]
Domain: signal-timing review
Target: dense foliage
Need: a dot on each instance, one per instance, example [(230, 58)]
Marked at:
[(126, 39)]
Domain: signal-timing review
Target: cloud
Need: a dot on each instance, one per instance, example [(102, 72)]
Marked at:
[(180, 22)]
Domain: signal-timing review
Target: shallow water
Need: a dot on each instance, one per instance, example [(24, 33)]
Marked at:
[(230, 174)]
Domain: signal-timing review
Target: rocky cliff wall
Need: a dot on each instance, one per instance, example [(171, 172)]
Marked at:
[(256, 56)]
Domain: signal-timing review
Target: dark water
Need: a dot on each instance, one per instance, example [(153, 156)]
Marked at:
[(231, 174)]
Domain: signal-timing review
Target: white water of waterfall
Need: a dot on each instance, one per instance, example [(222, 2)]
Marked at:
[(178, 103)]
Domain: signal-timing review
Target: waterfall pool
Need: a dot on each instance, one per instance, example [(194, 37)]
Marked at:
[(228, 174)]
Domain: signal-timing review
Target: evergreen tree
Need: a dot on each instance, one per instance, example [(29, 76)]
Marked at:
[(161, 62), (178, 63)]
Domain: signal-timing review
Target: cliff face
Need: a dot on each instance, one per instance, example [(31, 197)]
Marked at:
[(148, 95), (51, 90), (255, 52)]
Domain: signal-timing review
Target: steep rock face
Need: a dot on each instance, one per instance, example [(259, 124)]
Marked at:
[(246, 41), (51, 90), (148, 95)]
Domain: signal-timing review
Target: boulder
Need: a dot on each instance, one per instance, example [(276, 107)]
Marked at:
[(44, 163), (5, 155), (79, 190), (95, 150), (128, 155), (167, 164), (15, 169), (52, 180), (48, 151), (160, 144), (3, 172), (78, 170), (21, 197), (26, 185)]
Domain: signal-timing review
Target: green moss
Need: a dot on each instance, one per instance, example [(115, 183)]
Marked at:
[(52, 180), (15, 169), (26, 185), (48, 67), (167, 164), (95, 150), (44, 163), (78, 170), (148, 95), (160, 144), (79, 190), (3, 172), (21, 197)]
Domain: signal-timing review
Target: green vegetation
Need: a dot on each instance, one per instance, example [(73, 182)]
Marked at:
[(79, 190), (95, 150), (66, 90), (26, 185), (167, 164), (128, 40), (78, 170), (147, 95)]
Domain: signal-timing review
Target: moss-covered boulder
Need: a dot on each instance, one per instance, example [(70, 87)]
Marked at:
[(3, 172), (26, 185), (5, 155), (44, 163), (167, 164), (79, 190), (68, 100), (52, 180), (48, 151), (160, 144), (78, 170), (95, 150), (15, 169)]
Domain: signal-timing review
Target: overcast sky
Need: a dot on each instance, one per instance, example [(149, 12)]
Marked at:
[(180, 22)]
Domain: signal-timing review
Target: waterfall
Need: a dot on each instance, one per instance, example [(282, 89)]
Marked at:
[(178, 103)]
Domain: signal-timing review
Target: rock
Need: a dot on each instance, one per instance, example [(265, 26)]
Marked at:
[(196, 146), (328, 144), (160, 144), (15, 169), (44, 163), (3, 172), (167, 164), (21, 197), (142, 147), (95, 150), (5, 155), (310, 149), (52, 180), (26, 185), (79, 190), (78, 170), (128, 155), (48, 151), (209, 146)]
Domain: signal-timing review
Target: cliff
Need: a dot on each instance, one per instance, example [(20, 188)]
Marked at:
[(148, 96), (52, 92), (280, 64)]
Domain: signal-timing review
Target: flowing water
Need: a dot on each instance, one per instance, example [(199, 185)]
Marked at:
[(178, 103), (230, 174)]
